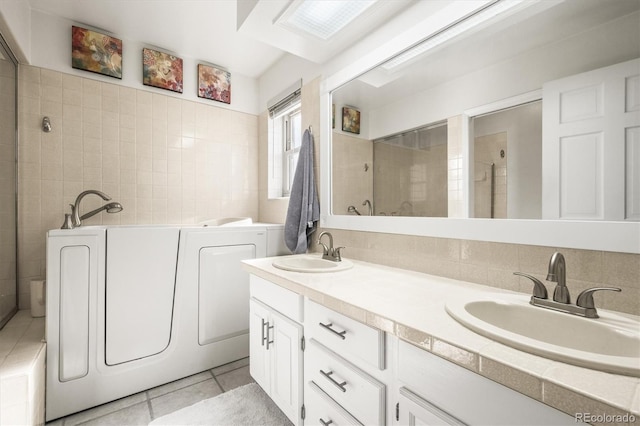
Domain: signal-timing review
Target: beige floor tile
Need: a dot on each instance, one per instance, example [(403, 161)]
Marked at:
[(230, 366), (105, 409), (235, 378), (178, 384), (135, 415), (185, 397)]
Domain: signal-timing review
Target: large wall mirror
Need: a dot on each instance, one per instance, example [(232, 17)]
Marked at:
[(451, 129)]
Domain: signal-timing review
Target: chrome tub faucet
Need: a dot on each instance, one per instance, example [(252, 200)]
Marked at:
[(74, 219), (561, 302)]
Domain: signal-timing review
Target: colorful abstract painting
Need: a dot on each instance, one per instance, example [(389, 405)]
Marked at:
[(214, 83), (95, 52), (350, 120), (161, 70)]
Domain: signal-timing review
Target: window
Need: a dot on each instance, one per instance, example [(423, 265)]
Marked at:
[(285, 138)]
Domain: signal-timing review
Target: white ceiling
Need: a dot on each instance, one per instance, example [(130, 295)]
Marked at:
[(207, 29)]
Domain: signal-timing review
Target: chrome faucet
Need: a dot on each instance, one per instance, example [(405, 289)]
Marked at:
[(74, 219), (368, 203), (558, 274), (329, 253), (561, 302)]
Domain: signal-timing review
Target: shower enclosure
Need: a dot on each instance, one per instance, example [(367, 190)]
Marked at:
[(8, 183)]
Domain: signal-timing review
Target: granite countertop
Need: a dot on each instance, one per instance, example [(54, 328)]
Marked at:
[(411, 305)]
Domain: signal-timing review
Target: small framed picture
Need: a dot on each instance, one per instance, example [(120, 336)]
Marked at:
[(161, 70), (96, 52), (214, 83), (350, 120)]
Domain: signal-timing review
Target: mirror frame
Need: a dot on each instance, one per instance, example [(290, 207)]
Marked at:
[(589, 235)]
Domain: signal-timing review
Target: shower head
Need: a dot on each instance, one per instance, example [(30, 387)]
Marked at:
[(114, 207)]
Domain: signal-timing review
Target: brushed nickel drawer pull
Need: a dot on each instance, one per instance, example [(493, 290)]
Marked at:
[(269, 327), (263, 337), (340, 386), (325, 423), (340, 334)]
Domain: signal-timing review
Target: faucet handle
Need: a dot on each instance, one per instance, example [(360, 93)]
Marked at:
[(336, 254), (68, 224), (539, 290), (585, 299), (325, 249)]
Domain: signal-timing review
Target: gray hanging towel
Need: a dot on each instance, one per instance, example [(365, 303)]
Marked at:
[(304, 210)]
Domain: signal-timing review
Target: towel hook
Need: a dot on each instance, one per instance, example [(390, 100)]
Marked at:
[(310, 130)]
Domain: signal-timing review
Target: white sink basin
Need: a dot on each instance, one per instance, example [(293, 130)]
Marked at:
[(310, 263), (610, 343)]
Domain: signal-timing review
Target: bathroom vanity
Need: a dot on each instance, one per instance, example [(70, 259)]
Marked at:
[(379, 348)]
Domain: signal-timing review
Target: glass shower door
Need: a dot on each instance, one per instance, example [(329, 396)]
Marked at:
[(8, 176)]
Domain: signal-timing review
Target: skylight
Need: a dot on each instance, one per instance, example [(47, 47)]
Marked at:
[(322, 18)]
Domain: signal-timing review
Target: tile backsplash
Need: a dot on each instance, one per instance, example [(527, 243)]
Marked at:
[(166, 160), (493, 264)]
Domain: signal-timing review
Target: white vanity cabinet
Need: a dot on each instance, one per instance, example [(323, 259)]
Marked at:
[(434, 391), (343, 370), (275, 345)]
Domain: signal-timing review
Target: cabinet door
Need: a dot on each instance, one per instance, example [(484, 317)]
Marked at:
[(414, 410), (286, 365), (276, 357), (259, 359)]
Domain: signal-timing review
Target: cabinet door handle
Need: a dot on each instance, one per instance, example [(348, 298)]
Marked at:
[(264, 338), (325, 423), (340, 386), (269, 342), (340, 334)]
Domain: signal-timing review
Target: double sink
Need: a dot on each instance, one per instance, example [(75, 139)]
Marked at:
[(610, 343)]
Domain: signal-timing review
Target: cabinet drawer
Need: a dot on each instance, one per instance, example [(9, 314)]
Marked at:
[(345, 335), (356, 391), (321, 410), (414, 410), (287, 302), (468, 396)]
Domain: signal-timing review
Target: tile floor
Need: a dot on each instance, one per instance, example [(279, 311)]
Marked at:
[(143, 407)]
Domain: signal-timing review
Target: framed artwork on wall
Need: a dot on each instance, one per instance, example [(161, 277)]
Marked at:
[(96, 52), (350, 120), (214, 83), (161, 70)]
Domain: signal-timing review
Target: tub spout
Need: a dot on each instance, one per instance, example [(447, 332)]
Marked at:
[(76, 218)]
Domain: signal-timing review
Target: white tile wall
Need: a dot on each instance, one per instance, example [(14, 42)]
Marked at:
[(166, 160), (7, 189)]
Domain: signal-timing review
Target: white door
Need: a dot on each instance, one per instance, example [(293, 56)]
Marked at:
[(286, 362), (591, 128), (223, 292), (259, 364), (139, 291), (413, 410)]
